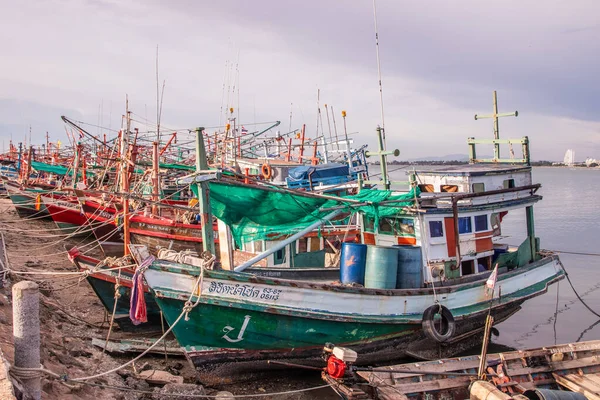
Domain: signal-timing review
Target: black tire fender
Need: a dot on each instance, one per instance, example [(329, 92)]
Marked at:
[(448, 326)]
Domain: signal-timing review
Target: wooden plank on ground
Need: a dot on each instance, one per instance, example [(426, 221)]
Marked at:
[(579, 384), (137, 346), (435, 384)]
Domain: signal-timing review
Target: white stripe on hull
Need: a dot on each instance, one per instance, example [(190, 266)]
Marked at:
[(328, 301)]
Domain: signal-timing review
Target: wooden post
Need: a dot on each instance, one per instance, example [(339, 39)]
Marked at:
[(20, 161), (496, 128), (247, 174), (76, 163), (83, 171), (28, 171), (531, 231), (125, 182), (526, 154), (302, 143), (382, 158), (26, 333), (472, 152), (155, 183), (289, 152), (314, 159), (225, 246), (456, 231), (495, 116), (208, 241)]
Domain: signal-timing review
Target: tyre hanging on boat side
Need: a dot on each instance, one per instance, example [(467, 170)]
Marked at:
[(439, 329)]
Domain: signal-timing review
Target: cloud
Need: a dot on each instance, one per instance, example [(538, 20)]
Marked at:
[(440, 63)]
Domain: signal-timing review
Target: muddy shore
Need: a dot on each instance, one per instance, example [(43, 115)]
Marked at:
[(71, 316)]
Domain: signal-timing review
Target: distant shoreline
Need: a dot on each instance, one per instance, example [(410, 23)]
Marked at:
[(552, 164)]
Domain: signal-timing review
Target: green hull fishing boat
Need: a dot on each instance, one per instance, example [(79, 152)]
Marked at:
[(432, 270)]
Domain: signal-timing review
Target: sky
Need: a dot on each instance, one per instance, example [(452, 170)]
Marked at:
[(440, 63)]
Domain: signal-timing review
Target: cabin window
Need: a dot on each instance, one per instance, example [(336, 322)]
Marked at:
[(509, 183), (436, 229), (426, 188), (302, 246), (478, 187), (369, 223), (481, 223), (467, 267), (279, 256), (397, 226), (449, 188), (314, 244), (483, 264), (464, 225)]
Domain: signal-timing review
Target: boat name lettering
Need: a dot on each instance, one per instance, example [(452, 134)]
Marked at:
[(244, 291)]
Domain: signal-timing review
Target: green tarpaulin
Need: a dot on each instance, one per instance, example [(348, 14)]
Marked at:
[(170, 166), (254, 213), (55, 169)]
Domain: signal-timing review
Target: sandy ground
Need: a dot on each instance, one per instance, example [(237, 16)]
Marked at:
[(71, 315)]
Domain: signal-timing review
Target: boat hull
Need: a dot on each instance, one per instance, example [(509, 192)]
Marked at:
[(158, 233), (103, 284), (241, 316), (102, 221), (26, 202), (66, 214)]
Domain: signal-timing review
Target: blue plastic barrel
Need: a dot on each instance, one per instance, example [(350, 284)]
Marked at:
[(352, 263), (381, 269), (410, 267)]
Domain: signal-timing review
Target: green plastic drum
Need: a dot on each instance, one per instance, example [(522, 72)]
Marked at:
[(381, 269)]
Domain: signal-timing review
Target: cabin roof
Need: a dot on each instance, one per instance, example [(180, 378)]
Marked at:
[(473, 169)]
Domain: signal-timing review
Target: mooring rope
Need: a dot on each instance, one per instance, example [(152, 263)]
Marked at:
[(575, 291)]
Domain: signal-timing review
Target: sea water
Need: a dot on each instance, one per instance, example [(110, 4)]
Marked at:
[(566, 219)]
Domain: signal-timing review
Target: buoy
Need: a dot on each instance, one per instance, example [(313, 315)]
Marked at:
[(266, 171)]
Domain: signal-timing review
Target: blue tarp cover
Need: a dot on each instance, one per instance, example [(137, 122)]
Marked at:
[(318, 171)]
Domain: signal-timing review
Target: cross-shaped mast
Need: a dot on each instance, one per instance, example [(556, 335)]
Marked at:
[(495, 116)]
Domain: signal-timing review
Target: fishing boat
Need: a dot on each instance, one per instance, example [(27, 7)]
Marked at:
[(539, 373), (25, 199), (113, 285), (429, 253)]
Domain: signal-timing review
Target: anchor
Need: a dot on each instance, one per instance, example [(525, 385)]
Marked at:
[(240, 337)]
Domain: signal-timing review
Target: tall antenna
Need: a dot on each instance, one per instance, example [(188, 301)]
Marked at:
[(379, 72), (158, 101), (318, 111), (291, 110)]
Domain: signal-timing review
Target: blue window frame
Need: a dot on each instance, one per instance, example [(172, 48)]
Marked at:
[(464, 225)]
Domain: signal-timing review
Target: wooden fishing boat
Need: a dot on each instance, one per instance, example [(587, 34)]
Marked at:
[(443, 231), (573, 366), (243, 316), (26, 201), (66, 213), (102, 218), (103, 279)]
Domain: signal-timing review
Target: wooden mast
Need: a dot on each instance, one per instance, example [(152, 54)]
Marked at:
[(208, 241), (125, 178), (155, 182)]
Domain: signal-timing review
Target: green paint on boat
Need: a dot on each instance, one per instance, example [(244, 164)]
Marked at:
[(229, 327)]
